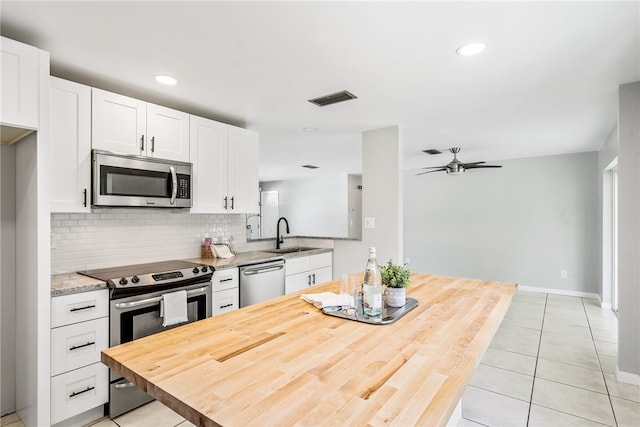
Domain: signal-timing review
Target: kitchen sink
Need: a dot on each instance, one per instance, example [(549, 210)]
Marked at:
[(289, 250)]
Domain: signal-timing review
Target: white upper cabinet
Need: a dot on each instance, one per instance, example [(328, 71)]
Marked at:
[(125, 125), (19, 77), (225, 167), (243, 171), (208, 149), (168, 133), (70, 145)]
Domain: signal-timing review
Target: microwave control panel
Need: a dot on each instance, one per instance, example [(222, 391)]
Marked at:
[(184, 187)]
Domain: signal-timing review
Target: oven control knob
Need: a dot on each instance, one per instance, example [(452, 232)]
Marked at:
[(123, 281), (196, 270), (204, 269), (135, 279)]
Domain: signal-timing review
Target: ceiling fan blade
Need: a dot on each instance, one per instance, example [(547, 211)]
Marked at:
[(467, 165), (482, 166), (437, 170), (434, 167)]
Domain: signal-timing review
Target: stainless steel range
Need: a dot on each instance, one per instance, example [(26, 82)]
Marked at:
[(136, 310)]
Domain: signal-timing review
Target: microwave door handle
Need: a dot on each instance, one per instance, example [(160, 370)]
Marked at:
[(174, 181)]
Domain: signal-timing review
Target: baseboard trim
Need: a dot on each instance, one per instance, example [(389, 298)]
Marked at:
[(592, 295), (627, 377)]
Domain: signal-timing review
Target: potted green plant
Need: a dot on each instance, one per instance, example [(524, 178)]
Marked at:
[(395, 278)]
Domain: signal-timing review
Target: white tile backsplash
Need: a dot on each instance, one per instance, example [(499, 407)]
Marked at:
[(113, 237)]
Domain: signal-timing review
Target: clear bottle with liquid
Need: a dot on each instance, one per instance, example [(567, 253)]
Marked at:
[(372, 287)]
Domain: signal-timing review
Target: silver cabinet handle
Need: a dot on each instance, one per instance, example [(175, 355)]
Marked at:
[(155, 299), (174, 182), (262, 270)]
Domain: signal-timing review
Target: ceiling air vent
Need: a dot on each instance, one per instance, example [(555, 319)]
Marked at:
[(342, 96), (432, 151), (310, 166)]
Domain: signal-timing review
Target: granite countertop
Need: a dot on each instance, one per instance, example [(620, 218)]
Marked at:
[(71, 283)]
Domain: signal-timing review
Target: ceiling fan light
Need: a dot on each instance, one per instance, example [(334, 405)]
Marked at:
[(472, 48)]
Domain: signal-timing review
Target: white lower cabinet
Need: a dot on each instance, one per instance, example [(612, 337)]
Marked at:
[(80, 330), (302, 272), (78, 391), (226, 292)]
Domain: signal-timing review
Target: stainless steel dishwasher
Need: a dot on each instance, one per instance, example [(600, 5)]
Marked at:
[(260, 282)]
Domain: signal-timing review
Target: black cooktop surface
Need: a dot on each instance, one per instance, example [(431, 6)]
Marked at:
[(112, 273)]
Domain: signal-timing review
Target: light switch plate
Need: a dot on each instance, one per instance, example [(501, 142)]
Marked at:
[(369, 222)]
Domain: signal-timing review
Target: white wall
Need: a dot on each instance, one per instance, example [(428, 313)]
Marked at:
[(381, 199), (355, 206), (314, 206), (606, 156), (629, 231), (112, 237), (7, 279), (523, 223)]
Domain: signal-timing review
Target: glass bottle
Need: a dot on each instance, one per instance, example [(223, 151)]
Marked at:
[(372, 287)]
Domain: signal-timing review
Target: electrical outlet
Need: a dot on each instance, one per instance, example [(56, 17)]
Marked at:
[(369, 222), (563, 274)]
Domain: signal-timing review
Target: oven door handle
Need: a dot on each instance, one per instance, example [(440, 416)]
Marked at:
[(154, 300), (174, 182)]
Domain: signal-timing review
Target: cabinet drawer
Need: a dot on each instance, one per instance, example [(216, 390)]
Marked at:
[(320, 260), (78, 391), (77, 345), (227, 300), (74, 308), (225, 279), (296, 265)]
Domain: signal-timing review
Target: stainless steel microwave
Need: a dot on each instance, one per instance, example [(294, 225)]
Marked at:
[(137, 181)]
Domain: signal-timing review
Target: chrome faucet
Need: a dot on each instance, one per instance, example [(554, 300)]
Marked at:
[(279, 238)]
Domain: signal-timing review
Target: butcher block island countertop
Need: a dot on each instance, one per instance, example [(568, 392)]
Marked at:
[(283, 362)]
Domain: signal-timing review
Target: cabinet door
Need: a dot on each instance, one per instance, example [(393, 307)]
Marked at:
[(208, 148), (19, 79), (321, 275), (167, 133), (296, 282), (243, 171), (70, 145), (118, 123)]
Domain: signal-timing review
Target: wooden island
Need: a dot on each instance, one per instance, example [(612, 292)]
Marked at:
[(283, 362)]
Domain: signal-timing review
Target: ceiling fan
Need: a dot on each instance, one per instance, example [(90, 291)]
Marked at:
[(455, 166)]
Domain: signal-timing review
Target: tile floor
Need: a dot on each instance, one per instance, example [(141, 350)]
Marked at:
[(551, 364)]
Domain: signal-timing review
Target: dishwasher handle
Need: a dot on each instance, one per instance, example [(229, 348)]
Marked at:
[(262, 269)]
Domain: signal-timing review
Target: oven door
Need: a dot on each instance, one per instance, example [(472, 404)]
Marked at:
[(136, 317)]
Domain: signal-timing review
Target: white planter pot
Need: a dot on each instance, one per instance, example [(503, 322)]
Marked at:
[(395, 297)]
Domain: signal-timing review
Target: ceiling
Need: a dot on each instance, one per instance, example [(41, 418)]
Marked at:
[(547, 84)]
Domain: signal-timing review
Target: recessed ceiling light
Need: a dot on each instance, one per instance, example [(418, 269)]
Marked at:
[(166, 80), (472, 48), (309, 129)]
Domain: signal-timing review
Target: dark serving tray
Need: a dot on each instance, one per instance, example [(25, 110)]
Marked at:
[(389, 314)]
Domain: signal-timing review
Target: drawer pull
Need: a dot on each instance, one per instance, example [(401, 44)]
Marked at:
[(88, 307), (226, 305), (77, 393), (228, 279), (75, 347)]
